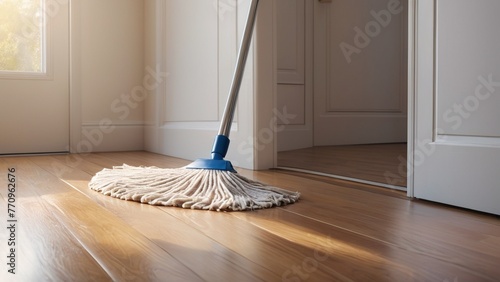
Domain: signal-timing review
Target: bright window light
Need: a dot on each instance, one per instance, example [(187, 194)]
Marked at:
[(22, 36)]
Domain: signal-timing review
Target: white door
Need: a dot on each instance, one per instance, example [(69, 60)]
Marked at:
[(359, 68), (294, 40), (184, 114), (457, 147), (34, 76)]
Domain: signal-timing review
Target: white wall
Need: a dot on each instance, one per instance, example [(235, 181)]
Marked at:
[(194, 43), (108, 75), (155, 74)]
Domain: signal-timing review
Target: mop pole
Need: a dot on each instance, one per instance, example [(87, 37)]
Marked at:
[(209, 184), (221, 143), (227, 118)]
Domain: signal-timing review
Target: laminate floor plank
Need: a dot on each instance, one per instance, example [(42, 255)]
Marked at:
[(119, 249), (279, 255), (138, 159), (358, 207), (382, 163), (362, 258), (411, 225), (338, 231), (459, 237), (45, 250), (257, 245), (206, 257), (388, 220)]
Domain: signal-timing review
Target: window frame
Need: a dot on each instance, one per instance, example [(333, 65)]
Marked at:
[(46, 63)]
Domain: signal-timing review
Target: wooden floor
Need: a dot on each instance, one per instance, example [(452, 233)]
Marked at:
[(338, 231), (381, 163)]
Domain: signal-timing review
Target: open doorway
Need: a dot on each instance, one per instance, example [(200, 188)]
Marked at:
[(342, 89)]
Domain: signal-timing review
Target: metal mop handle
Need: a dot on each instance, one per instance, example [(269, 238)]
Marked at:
[(227, 118), (221, 143)]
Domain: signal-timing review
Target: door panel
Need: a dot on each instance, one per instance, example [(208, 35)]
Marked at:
[(291, 41), (294, 74), (468, 72), (34, 108), (457, 149), (360, 89)]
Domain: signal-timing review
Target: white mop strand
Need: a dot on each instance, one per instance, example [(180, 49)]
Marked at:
[(189, 188)]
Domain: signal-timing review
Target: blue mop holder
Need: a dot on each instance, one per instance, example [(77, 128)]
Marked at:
[(220, 148), (217, 162)]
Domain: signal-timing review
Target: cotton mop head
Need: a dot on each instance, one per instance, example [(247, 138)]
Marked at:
[(206, 184), (204, 189)]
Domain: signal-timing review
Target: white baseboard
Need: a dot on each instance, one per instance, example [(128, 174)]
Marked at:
[(110, 138)]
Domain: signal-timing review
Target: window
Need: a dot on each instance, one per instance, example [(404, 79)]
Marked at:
[(22, 36)]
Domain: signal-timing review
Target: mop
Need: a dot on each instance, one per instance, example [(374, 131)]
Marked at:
[(205, 184)]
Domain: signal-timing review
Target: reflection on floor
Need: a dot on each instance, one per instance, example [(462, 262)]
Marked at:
[(380, 163)]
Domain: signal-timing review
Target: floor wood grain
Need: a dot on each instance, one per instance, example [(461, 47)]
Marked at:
[(338, 231), (381, 163), (43, 243)]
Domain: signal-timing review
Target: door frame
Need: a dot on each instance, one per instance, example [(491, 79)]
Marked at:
[(75, 94), (411, 86), (411, 89), (51, 14)]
